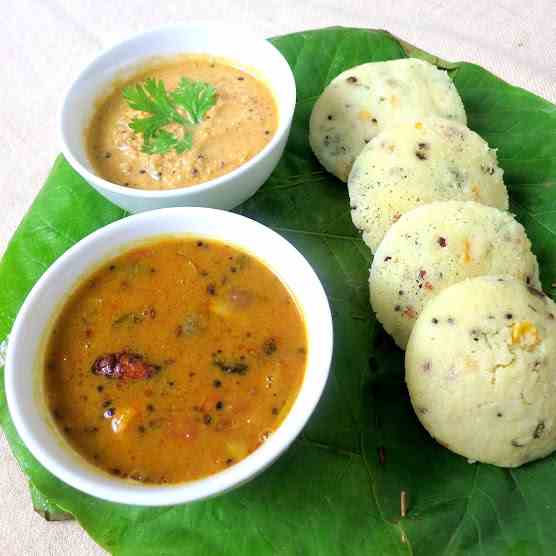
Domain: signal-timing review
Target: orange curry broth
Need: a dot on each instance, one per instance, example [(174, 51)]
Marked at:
[(224, 353)]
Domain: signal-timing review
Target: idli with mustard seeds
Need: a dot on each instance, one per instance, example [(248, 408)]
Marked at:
[(440, 244), (364, 100), (481, 370), (419, 162)]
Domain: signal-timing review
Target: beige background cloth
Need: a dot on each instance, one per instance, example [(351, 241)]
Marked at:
[(46, 42)]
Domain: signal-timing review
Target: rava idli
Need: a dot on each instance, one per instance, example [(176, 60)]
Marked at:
[(416, 163), (364, 100), (440, 244), (481, 370)]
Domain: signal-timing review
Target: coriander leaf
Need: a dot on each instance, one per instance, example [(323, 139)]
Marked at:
[(152, 97), (184, 144), (165, 141), (160, 143), (149, 126), (195, 97)]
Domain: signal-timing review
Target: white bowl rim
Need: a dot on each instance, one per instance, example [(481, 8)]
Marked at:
[(212, 485), (283, 124)]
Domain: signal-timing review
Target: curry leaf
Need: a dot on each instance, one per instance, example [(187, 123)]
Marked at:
[(337, 489)]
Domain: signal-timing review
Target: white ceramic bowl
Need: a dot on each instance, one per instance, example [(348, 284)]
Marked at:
[(235, 44), (26, 349)]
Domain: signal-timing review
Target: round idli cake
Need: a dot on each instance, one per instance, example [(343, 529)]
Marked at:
[(440, 244), (416, 163), (481, 370), (362, 101)]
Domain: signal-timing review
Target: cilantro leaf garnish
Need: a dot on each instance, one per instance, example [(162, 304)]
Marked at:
[(186, 106), (195, 97), (165, 141)]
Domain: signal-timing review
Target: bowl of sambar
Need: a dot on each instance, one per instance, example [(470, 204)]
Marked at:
[(169, 357)]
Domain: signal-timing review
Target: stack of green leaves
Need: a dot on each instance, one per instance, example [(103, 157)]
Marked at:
[(337, 489)]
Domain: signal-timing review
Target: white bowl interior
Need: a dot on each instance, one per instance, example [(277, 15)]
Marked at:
[(27, 342), (234, 44)]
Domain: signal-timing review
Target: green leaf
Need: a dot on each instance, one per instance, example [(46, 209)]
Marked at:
[(184, 144), (165, 141), (162, 142), (195, 97), (45, 508), (414, 52), (65, 211), (148, 127), (337, 489), (152, 97)]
